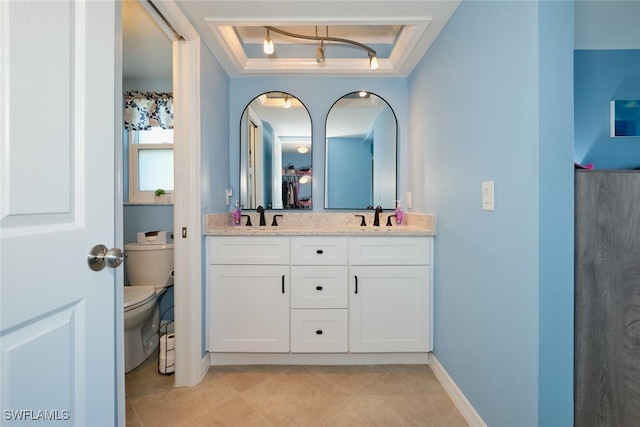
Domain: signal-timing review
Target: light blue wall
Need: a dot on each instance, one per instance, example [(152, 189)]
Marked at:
[(214, 151), (556, 214), (602, 76), (476, 113), (318, 95), (214, 97), (350, 160)]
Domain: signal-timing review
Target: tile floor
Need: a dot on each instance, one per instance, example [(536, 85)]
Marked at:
[(384, 395)]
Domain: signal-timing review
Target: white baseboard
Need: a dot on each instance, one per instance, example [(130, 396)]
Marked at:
[(216, 359), (204, 365), (461, 402)]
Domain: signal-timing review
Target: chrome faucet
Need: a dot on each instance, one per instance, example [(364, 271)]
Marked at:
[(260, 210), (376, 218)]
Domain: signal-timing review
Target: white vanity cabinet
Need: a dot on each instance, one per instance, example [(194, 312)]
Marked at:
[(248, 294), (319, 295), (343, 297), (390, 294)]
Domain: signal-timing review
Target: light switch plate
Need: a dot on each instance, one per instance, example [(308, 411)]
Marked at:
[(487, 196), (409, 200)]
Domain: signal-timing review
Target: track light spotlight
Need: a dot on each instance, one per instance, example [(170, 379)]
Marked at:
[(268, 44), (320, 57), (373, 62), (320, 53)]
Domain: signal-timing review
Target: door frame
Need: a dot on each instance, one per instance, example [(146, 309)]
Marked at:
[(192, 362), (119, 221)]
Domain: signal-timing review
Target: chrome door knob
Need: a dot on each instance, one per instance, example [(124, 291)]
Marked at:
[(100, 256)]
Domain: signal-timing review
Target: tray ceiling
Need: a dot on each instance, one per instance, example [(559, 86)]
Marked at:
[(400, 31)]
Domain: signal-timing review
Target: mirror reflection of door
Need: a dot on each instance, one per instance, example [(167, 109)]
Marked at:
[(275, 153), (361, 153), (252, 187)]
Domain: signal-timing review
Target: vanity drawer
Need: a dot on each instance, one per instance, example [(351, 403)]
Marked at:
[(318, 251), (319, 286), (390, 250), (260, 250), (319, 331)]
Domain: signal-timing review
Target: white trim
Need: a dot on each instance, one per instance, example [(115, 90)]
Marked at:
[(187, 207), (218, 359), (468, 412), (173, 13), (410, 40), (204, 365), (187, 198), (119, 223), (431, 312)]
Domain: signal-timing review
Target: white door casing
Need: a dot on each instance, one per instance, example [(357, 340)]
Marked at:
[(58, 339), (191, 362)]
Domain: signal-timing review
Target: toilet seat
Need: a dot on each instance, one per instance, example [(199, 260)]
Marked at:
[(135, 296)]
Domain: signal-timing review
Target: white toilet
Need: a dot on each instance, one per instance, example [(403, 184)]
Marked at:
[(149, 269)]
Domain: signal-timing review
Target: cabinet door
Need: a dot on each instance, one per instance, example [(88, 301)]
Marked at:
[(389, 310), (248, 308)]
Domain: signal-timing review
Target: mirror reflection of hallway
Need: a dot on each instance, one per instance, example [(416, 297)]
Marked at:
[(275, 153)]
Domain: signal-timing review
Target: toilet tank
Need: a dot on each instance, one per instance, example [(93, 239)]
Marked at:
[(149, 265)]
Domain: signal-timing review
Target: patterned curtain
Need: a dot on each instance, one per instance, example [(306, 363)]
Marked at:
[(144, 110)]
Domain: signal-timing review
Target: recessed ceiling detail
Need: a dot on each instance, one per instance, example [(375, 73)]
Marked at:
[(399, 31), (245, 59)]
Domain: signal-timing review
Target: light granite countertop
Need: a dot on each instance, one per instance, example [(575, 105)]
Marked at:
[(319, 224)]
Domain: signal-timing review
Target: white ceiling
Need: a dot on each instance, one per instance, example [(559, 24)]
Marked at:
[(233, 31), (228, 26)]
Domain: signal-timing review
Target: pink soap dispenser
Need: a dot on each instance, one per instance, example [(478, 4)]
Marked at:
[(237, 213), (399, 213)]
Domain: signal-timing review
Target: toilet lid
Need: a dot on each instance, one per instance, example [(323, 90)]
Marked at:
[(135, 296)]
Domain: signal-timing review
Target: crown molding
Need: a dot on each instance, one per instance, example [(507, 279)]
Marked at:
[(239, 64), (215, 21)]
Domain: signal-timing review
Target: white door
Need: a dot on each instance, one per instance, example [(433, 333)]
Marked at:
[(57, 106)]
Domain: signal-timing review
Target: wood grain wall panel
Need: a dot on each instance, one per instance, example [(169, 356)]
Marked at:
[(607, 298)]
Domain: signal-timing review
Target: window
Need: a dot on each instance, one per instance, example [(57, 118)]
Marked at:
[(150, 163)]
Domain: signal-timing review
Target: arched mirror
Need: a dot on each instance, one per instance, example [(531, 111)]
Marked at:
[(360, 166), (275, 153)]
